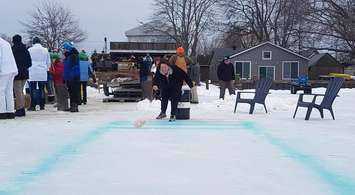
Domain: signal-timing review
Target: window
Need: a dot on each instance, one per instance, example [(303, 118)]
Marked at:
[(243, 69), (267, 55), (267, 72), (290, 70)]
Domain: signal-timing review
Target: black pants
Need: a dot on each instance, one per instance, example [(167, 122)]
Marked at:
[(174, 98), (74, 91), (37, 93), (84, 94), (226, 85)]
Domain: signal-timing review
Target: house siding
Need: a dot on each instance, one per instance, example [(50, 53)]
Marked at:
[(278, 57)]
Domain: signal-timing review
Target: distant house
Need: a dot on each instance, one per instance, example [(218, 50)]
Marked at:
[(266, 60), (323, 64), (146, 33), (143, 40)]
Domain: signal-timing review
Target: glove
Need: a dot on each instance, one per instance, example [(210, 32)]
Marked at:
[(155, 88)]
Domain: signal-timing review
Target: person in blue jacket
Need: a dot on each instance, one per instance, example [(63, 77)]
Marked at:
[(86, 72), (72, 75)]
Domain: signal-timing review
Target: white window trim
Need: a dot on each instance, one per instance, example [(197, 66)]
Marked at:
[(235, 63), (267, 67), (298, 69), (266, 58)]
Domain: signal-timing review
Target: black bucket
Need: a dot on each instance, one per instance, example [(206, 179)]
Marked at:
[(183, 110)]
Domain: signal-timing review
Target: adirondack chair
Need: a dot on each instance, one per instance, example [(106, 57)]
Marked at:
[(328, 98), (262, 90)]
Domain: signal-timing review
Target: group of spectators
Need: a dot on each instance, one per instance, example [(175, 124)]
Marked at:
[(39, 69)]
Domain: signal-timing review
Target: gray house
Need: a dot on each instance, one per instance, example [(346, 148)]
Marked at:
[(145, 33), (266, 60)]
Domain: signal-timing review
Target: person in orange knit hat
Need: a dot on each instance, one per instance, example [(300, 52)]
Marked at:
[(180, 60)]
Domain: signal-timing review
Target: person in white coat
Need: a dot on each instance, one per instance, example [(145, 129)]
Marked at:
[(8, 71), (38, 73)]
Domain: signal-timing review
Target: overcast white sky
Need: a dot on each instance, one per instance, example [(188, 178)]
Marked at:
[(100, 18)]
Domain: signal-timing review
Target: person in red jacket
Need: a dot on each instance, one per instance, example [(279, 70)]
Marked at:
[(61, 91)]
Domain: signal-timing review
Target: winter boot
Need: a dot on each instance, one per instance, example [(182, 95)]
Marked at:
[(172, 118), (10, 115), (74, 108), (3, 116), (20, 113), (161, 116), (32, 109)]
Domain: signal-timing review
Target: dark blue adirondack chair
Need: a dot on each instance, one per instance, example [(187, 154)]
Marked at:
[(261, 91), (331, 93)]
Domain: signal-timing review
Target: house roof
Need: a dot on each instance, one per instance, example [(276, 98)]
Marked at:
[(269, 43), (322, 58), (146, 30), (219, 53), (309, 53)]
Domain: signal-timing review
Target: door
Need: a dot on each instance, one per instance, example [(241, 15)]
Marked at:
[(267, 72)]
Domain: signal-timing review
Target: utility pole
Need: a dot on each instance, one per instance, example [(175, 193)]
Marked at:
[(105, 48)]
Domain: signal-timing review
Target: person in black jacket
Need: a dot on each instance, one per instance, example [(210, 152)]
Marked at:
[(226, 77), (145, 76), (170, 80), (23, 62)]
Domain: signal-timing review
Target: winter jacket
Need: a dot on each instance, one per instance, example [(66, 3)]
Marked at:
[(57, 72), (41, 62), (144, 70), (86, 71), (71, 65), (194, 73), (84, 67), (23, 60), (7, 60), (225, 72), (173, 83), (182, 62)]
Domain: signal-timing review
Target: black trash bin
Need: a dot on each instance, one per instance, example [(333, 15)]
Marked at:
[(183, 110)]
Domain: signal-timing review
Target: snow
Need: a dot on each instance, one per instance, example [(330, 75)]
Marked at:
[(118, 148)]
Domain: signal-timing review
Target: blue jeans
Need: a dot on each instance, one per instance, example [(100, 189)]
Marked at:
[(37, 93)]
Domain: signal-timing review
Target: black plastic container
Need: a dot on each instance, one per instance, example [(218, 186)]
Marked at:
[(183, 110)]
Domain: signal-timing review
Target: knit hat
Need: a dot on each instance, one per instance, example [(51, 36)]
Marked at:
[(16, 39), (180, 50), (68, 46), (83, 56), (164, 61), (54, 55), (226, 58)]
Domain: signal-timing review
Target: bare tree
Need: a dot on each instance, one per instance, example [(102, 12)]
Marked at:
[(256, 21), (6, 38), (333, 22), (54, 24), (188, 19)]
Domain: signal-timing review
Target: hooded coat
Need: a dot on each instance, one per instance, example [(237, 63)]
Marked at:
[(225, 72), (71, 65), (7, 60), (22, 58), (172, 83)]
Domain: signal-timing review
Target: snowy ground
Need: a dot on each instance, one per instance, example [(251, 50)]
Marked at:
[(99, 151)]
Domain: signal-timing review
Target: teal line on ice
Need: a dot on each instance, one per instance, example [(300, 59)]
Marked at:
[(17, 184), (340, 184)]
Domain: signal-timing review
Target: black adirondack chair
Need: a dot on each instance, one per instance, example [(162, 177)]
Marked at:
[(261, 91), (331, 93)]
